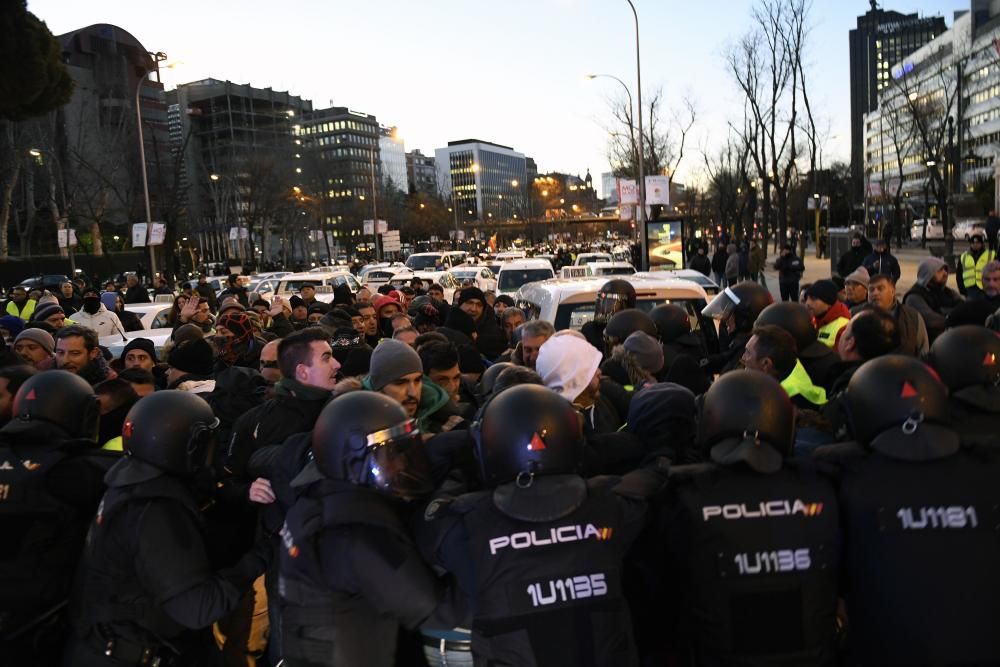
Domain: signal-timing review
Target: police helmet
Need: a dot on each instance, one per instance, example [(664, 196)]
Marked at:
[(173, 431), (743, 301), (624, 323), (490, 376), (60, 398), (368, 439), (747, 418), (528, 430), (671, 321), (795, 319), (967, 359), (897, 406), (614, 295)]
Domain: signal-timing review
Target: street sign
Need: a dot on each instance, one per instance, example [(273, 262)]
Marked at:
[(139, 235), (658, 190), (157, 233), (390, 241), (369, 227), (66, 238)]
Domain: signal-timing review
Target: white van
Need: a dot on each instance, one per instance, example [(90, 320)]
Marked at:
[(518, 272)]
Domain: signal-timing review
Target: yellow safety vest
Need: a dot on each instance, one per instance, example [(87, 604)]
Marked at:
[(113, 445), (798, 383), (827, 333), (972, 269), (25, 313)]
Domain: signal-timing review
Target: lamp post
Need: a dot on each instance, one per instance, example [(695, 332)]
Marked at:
[(642, 179), (159, 56)]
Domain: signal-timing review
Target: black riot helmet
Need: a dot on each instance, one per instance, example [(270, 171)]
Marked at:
[(60, 398), (795, 319), (173, 431), (614, 295), (897, 406), (368, 439), (747, 418), (490, 377), (528, 430), (967, 359), (743, 301), (624, 323), (671, 321)]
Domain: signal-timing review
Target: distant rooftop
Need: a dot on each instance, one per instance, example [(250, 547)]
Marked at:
[(478, 141)]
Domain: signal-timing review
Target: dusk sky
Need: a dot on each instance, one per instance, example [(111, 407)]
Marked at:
[(510, 72)]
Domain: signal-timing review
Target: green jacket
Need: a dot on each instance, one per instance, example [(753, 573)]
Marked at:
[(432, 399)]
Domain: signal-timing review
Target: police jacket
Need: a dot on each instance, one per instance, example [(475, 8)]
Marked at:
[(752, 561), (49, 489), (920, 538), (146, 579), (350, 576), (542, 567)]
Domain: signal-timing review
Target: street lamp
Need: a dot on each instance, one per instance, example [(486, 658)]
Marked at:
[(642, 178), (159, 57)]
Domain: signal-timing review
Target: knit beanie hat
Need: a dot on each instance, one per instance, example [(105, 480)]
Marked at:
[(859, 275), (195, 357), (567, 365), (12, 323), (391, 360), (824, 290), (46, 311), (471, 293), (47, 298), (143, 344), (237, 322), (40, 336), (647, 351)]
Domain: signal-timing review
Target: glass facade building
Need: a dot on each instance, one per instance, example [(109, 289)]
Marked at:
[(484, 181)]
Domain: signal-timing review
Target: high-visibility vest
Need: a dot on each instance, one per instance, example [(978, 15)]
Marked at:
[(115, 444), (24, 313), (827, 334), (972, 269), (798, 383)]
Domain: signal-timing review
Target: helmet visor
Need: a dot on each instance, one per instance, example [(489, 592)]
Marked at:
[(397, 462), (607, 304), (201, 446), (722, 306)]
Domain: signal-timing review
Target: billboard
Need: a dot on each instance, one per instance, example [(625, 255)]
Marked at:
[(665, 244)]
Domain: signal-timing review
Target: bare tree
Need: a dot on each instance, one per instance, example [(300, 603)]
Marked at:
[(727, 181), (663, 142)]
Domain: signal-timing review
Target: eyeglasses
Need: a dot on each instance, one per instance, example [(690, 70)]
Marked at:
[(268, 364)]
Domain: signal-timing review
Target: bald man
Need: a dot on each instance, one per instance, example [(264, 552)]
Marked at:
[(269, 362)]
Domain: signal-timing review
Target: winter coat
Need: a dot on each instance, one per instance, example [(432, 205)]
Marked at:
[(104, 322)]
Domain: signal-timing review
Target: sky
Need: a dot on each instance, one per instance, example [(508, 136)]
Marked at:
[(509, 71)]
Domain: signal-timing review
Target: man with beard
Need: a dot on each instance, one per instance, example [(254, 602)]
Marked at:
[(490, 338), (931, 297), (912, 330), (36, 347), (77, 352)]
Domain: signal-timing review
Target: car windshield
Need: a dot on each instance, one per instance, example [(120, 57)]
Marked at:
[(615, 271), (296, 285), (575, 315), (590, 259), (422, 262), (512, 279)]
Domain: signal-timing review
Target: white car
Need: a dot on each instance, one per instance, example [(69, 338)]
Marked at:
[(437, 262), (934, 230), (396, 275), (480, 276), (263, 288), (590, 257), (510, 255), (611, 268), (709, 285), (519, 272), (568, 303), (323, 282), (964, 229), (445, 280)]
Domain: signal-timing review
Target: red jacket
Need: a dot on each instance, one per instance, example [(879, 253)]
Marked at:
[(836, 310)]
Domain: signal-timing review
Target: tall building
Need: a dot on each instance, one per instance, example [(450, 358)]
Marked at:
[(881, 40), (609, 188), (392, 152), (483, 180), (238, 145), (109, 68), (341, 166), (421, 175), (958, 74)]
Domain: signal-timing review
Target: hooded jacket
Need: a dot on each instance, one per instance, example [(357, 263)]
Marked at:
[(433, 412), (104, 322), (934, 303)]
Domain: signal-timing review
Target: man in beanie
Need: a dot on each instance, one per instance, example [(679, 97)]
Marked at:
[(397, 371), (830, 314), (490, 339), (634, 363), (51, 314), (189, 367), (36, 347), (856, 288), (95, 314), (853, 258), (570, 366), (10, 326), (236, 341), (931, 296), (140, 353)]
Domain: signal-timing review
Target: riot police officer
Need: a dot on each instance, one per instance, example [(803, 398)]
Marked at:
[(614, 296), (752, 539), (967, 359), (146, 593), (350, 572), (50, 485), (737, 307), (920, 526), (817, 359), (540, 552)]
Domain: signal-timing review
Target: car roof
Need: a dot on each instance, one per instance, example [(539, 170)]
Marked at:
[(583, 290), (313, 276), (526, 263)]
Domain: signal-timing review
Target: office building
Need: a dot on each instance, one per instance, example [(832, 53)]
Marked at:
[(392, 152), (421, 174), (483, 180), (881, 40)]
